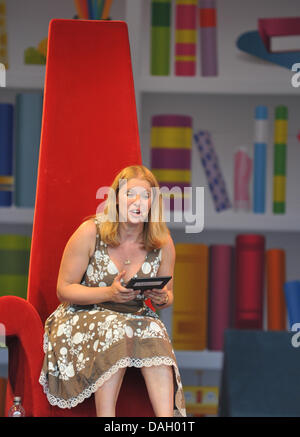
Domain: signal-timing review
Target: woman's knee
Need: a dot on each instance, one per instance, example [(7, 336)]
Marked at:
[(162, 369), (156, 368)]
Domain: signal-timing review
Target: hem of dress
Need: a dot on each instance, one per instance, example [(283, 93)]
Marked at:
[(123, 362)]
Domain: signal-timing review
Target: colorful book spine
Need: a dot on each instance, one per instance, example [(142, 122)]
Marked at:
[(242, 175), (208, 38), (280, 144), (3, 35), (3, 369), (292, 298), (220, 294), (28, 120), (3, 388), (276, 306), (79, 9), (201, 400), (14, 264), (106, 9), (91, 10), (189, 322), (281, 27), (171, 148), (85, 9), (185, 37), (160, 37), (6, 154), (260, 159), (214, 176), (249, 281), (98, 8)]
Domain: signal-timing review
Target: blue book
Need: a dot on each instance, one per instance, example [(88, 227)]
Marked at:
[(251, 42), (91, 10), (292, 297), (29, 108), (6, 154), (260, 159)]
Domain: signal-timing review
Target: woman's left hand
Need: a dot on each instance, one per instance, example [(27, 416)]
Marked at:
[(157, 296)]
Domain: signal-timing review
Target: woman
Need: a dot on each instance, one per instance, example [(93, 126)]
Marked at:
[(87, 338)]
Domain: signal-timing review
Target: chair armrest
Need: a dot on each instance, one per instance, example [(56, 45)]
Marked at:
[(22, 322)]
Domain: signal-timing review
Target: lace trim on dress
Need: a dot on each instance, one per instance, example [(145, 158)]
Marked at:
[(123, 362)]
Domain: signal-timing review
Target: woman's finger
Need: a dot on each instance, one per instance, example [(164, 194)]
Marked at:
[(126, 290)]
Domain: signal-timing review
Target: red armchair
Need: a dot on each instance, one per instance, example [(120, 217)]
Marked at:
[(89, 133)]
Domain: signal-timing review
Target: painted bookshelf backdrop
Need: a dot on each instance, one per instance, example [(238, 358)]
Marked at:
[(223, 105)]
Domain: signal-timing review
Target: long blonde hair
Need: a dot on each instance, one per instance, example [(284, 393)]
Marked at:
[(155, 233)]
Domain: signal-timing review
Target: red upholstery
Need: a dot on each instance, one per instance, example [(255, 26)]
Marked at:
[(89, 133)]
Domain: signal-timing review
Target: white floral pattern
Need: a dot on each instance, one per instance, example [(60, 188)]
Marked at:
[(106, 267), (79, 337)]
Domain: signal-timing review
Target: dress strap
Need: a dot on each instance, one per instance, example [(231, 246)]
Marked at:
[(98, 236)]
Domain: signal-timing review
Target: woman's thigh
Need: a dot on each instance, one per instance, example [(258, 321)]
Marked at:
[(111, 388)]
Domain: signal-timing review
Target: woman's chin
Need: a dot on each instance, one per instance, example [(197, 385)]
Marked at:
[(135, 219), (131, 218)]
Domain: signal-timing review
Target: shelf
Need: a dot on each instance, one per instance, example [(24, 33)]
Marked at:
[(226, 220), (217, 85), (229, 220), (251, 221), (238, 71), (14, 215), (212, 360), (33, 77)]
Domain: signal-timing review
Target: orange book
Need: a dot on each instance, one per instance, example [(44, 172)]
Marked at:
[(189, 330), (106, 9), (276, 305), (82, 9)]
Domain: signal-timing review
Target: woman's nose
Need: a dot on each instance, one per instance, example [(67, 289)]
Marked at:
[(137, 197)]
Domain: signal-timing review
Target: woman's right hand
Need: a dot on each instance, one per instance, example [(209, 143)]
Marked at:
[(120, 293)]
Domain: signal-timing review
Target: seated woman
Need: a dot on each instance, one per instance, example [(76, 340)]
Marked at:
[(100, 328)]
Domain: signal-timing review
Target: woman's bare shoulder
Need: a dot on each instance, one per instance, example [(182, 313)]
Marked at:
[(89, 227), (168, 242), (168, 248)]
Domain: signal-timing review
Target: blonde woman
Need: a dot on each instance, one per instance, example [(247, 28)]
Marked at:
[(87, 338)]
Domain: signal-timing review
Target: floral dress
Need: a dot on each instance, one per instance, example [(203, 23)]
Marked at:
[(85, 345)]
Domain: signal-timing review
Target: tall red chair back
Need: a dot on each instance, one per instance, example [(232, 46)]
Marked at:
[(89, 133)]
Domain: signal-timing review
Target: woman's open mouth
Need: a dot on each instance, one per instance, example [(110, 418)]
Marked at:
[(135, 212)]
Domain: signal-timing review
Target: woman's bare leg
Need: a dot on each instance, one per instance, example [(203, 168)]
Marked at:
[(160, 386), (107, 395)]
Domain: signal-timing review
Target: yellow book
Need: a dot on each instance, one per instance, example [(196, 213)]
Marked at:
[(189, 330), (201, 400)]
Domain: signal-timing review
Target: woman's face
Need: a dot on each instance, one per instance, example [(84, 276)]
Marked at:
[(134, 201)]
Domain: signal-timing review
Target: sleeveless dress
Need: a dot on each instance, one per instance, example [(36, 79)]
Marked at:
[(85, 345)]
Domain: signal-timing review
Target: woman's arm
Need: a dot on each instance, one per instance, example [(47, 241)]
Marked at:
[(73, 265), (82, 295)]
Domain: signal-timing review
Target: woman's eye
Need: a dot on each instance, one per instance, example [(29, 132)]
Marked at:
[(145, 195)]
